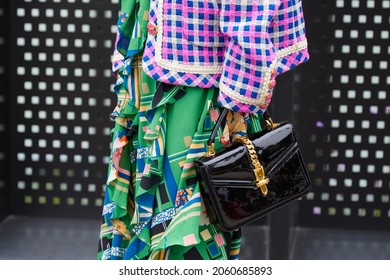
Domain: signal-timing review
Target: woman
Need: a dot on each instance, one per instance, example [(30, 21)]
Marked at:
[(177, 63)]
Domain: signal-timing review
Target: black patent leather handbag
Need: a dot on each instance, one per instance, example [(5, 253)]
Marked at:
[(256, 175)]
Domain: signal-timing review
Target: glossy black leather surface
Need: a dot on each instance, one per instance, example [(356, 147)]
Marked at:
[(228, 182)]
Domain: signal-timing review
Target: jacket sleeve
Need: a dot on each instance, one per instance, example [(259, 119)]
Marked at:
[(263, 40)]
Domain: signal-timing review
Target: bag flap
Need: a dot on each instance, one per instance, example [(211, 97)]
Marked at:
[(233, 167)]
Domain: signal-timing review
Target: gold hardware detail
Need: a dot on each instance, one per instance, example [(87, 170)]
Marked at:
[(210, 151), (271, 124), (261, 180)]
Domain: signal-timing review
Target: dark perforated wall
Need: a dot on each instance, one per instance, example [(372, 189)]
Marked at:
[(4, 111), (344, 114), (61, 101)]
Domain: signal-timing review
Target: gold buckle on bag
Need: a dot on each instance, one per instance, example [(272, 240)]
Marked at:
[(261, 180)]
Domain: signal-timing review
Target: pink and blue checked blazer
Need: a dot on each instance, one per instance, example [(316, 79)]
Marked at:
[(239, 46)]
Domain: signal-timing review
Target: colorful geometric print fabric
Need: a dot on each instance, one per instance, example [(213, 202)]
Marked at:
[(153, 207), (238, 46)]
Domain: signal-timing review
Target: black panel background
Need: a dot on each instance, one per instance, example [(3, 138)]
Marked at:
[(4, 108), (346, 80), (345, 88), (70, 183)]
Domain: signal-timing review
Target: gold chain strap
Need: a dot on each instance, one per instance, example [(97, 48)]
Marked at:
[(261, 180)]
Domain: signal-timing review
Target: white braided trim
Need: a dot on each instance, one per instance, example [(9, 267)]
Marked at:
[(236, 96), (291, 49), (267, 78), (176, 65)]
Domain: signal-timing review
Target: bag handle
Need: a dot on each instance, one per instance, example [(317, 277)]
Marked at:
[(221, 121)]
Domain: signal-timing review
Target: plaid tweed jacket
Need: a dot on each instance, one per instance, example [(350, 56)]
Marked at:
[(239, 46)]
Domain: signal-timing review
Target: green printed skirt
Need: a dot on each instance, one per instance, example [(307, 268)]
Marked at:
[(153, 207)]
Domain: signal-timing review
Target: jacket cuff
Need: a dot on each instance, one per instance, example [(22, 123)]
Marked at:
[(238, 96), (231, 102)]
